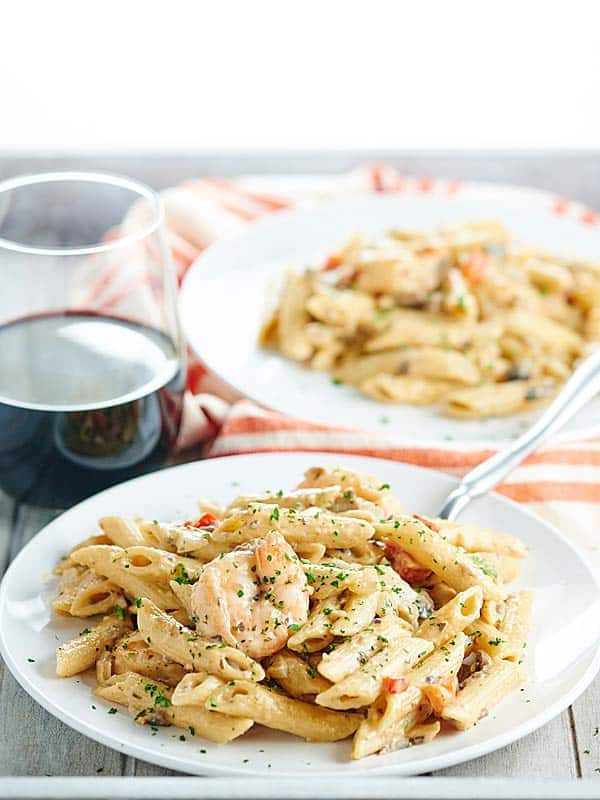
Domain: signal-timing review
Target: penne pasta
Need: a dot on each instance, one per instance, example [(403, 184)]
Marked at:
[(140, 581), (453, 617), (476, 325), (274, 710), (388, 722), (347, 657), (363, 686), (297, 677), (482, 691), (322, 611), (82, 652), (181, 644), (456, 567)]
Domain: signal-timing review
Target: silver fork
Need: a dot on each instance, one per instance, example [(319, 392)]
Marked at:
[(581, 387)]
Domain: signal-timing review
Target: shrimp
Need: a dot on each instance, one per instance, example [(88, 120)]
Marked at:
[(251, 596)]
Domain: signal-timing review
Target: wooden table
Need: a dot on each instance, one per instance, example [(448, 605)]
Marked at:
[(33, 743)]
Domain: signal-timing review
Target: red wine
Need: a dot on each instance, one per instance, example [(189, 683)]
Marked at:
[(86, 401)]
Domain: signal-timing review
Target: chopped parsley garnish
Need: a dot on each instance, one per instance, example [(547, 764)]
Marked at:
[(157, 695), (119, 611), (181, 575), (112, 710), (384, 486), (484, 566), (275, 514), (138, 602), (84, 631)]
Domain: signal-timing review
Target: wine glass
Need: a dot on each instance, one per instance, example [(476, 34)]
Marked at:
[(92, 361)]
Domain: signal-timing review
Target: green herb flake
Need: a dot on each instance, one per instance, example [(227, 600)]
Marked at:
[(484, 566)]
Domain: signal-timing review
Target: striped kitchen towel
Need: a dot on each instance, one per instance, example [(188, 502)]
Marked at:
[(560, 482)]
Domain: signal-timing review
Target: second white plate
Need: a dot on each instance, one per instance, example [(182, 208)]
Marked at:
[(227, 293)]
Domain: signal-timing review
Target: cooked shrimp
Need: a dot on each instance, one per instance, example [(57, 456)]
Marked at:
[(250, 596)]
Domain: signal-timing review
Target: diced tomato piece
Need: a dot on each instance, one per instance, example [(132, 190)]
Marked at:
[(334, 261), (396, 685), (475, 265), (202, 522), (405, 565), (431, 523), (441, 694)]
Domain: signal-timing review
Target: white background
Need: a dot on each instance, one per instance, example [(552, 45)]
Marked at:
[(178, 75)]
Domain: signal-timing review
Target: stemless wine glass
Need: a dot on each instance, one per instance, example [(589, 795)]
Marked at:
[(92, 365)]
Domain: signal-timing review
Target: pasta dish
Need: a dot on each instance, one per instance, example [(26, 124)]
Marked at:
[(324, 611), (462, 318)]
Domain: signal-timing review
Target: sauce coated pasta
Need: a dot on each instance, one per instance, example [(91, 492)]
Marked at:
[(462, 318), (394, 630)]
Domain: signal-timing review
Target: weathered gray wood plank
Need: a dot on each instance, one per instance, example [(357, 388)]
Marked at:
[(586, 719), (32, 742), (545, 753)]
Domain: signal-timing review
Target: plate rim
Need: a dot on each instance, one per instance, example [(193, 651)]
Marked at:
[(187, 306), (431, 763)]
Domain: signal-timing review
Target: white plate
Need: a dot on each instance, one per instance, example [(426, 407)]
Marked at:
[(228, 291), (562, 653)]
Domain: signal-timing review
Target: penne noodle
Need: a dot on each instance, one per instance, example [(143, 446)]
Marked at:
[(322, 611), (113, 562), (150, 703), (387, 724), (456, 567), (347, 657), (453, 617), (274, 710), (361, 687), (297, 677), (482, 691), (317, 632), (82, 652), (515, 625), (192, 651), (122, 532), (466, 321)]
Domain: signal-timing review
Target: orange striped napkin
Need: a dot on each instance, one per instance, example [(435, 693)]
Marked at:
[(560, 482)]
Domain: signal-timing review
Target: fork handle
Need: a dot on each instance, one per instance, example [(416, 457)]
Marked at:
[(581, 387)]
